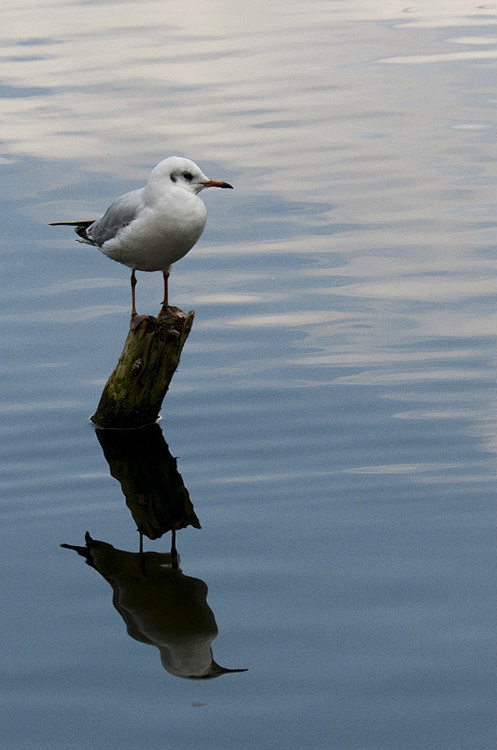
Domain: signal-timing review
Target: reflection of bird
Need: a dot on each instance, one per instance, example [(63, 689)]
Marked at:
[(160, 606), (150, 228)]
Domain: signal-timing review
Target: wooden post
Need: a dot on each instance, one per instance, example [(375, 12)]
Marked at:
[(134, 392)]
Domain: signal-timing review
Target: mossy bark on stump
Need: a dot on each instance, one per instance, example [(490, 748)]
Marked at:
[(134, 392)]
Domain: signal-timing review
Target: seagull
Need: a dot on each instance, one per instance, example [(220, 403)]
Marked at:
[(151, 228)]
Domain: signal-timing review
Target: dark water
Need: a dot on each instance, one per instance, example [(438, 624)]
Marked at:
[(333, 416)]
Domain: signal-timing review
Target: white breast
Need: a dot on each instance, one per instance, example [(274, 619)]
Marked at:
[(163, 231)]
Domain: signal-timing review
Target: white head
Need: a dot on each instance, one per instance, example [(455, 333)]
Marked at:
[(183, 173)]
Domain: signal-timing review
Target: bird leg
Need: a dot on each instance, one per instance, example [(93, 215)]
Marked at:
[(133, 284), (165, 307), (135, 318), (174, 551)]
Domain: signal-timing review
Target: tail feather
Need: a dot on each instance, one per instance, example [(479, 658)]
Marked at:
[(80, 227)]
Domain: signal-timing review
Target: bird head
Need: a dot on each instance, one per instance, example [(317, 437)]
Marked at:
[(185, 174)]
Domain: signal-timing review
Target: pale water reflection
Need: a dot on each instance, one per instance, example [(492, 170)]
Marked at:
[(333, 417)]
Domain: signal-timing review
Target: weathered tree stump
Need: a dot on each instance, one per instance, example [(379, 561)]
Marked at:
[(134, 392)]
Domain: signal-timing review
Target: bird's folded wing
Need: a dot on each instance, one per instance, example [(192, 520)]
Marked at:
[(119, 214)]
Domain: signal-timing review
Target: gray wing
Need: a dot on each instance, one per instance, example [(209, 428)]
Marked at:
[(119, 214)]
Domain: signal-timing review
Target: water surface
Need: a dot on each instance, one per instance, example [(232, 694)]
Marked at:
[(333, 416)]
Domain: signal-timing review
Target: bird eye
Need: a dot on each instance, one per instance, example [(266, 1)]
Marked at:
[(187, 176), (173, 178)]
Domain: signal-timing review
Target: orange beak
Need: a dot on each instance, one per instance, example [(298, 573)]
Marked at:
[(217, 183)]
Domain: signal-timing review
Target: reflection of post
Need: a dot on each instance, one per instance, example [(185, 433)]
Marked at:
[(155, 494), (160, 606), (134, 392)]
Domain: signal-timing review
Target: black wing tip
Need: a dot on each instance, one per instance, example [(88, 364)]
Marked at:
[(83, 224), (80, 227)]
